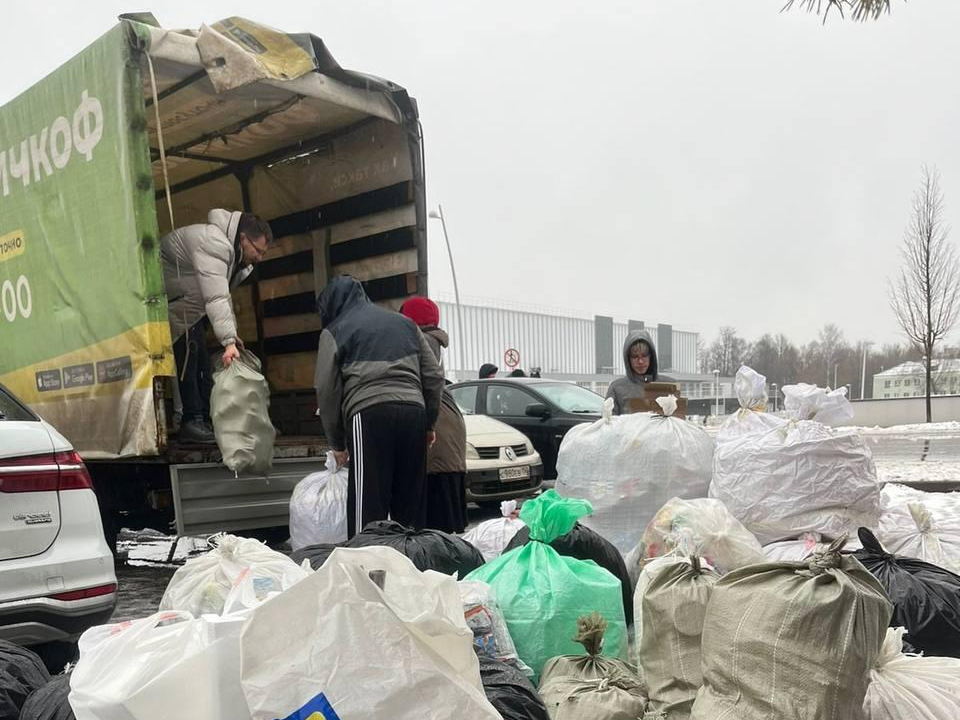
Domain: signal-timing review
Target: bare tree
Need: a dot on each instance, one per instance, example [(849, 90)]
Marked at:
[(727, 351), (702, 356), (926, 296), (862, 9), (788, 360), (832, 348)]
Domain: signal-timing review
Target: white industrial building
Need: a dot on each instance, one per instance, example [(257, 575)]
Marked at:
[(582, 349)]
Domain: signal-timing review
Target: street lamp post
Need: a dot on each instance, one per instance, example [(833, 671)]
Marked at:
[(462, 339), (716, 393), (863, 370), (775, 386)]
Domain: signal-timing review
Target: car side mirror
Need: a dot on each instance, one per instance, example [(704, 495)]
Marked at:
[(538, 410)]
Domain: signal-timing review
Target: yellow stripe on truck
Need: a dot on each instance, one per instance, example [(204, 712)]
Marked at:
[(127, 361)]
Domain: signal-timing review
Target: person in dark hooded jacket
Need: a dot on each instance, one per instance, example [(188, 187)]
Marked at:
[(376, 376), (488, 370), (640, 358), (447, 459)]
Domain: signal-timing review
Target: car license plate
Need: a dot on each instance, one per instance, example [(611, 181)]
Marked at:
[(515, 473)]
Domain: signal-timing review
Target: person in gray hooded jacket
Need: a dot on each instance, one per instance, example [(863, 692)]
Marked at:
[(640, 358), (378, 395), (201, 263)]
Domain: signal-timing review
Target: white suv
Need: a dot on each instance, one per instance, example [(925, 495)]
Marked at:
[(56, 571)]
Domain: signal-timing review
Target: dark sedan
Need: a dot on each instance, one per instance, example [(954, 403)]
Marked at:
[(543, 410)]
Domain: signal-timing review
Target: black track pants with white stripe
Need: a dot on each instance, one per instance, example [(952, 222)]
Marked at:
[(388, 465)]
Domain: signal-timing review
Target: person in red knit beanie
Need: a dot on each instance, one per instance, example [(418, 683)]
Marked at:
[(447, 459), (425, 313)]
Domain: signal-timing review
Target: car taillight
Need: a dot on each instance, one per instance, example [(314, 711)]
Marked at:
[(44, 473), (33, 473), (87, 593), (73, 473)]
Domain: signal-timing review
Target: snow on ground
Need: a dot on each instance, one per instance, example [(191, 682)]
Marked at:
[(907, 471), (917, 429), (149, 547)]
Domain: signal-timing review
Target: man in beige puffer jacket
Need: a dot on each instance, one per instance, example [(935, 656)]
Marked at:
[(201, 263)]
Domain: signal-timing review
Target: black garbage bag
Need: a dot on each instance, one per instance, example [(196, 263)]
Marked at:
[(21, 672), (925, 597), (510, 692), (583, 543), (427, 549), (316, 554), (49, 702)]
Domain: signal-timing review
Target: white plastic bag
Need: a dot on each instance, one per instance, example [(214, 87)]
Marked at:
[(237, 573), (792, 550), (169, 665), (628, 466), (752, 417), (491, 637), (809, 402), (701, 527), (491, 536), (802, 548), (337, 640), (921, 525), (912, 687), (802, 477), (318, 507)]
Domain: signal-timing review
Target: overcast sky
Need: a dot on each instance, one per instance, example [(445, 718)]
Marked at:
[(696, 163)]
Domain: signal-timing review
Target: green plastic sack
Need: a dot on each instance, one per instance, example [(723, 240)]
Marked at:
[(239, 408), (543, 593)]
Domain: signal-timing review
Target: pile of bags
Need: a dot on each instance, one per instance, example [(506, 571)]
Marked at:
[(628, 466), (752, 603), (782, 478), (542, 593), (368, 619)]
